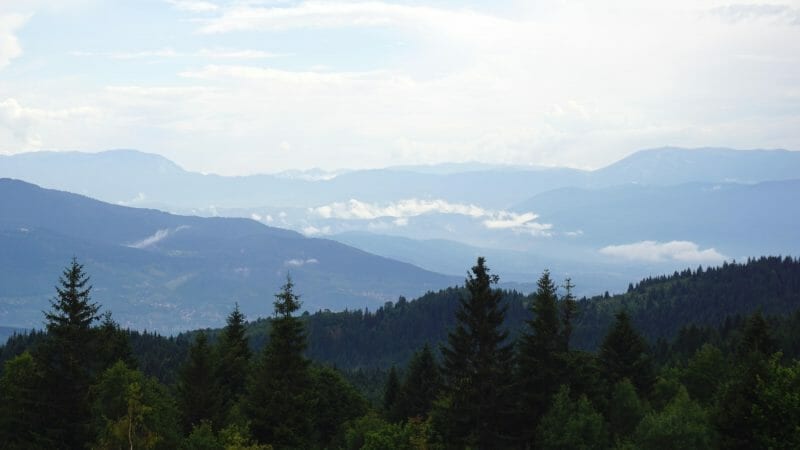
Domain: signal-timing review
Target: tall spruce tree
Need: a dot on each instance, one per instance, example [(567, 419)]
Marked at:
[(477, 369), (540, 359), (67, 358), (278, 395), (569, 308), (421, 385), (199, 398), (391, 395), (233, 360), (624, 354)]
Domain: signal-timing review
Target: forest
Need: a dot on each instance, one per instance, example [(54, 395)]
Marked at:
[(704, 358)]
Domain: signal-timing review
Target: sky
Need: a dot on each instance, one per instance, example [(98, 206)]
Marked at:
[(245, 86)]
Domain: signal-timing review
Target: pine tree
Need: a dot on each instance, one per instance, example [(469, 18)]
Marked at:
[(198, 395), (67, 358), (623, 354), (391, 393), (233, 360), (540, 359), (278, 403), (21, 424), (478, 362), (421, 385), (569, 307)]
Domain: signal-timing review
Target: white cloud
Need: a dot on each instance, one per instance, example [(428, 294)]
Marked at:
[(337, 14), (9, 44), (210, 53), (140, 197), (518, 222), (26, 124), (546, 82), (156, 237), (311, 230), (357, 210), (401, 210), (195, 6), (653, 251), (742, 12), (300, 262)]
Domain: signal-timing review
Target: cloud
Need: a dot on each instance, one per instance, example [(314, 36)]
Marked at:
[(744, 12), (210, 53), (653, 251), (337, 14), (194, 6), (525, 222), (25, 123), (357, 210), (300, 262), (401, 210), (311, 230), (156, 237), (9, 44), (546, 82)]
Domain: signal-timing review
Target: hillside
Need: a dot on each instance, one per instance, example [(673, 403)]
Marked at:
[(168, 272)]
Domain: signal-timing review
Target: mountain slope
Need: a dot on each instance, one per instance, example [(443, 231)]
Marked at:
[(167, 272), (737, 219)]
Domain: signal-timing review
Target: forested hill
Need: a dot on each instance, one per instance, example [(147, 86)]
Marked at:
[(659, 308)]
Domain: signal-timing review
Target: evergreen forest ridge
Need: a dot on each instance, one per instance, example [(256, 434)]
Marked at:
[(720, 380)]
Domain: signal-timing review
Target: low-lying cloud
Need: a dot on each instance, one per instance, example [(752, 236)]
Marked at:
[(402, 210), (300, 262), (156, 237), (654, 251)]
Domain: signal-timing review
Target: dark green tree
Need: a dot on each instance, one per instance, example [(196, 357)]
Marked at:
[(540, 358), (757, 339), (477, 369), (198, 395), (421, 385), (391, 394), (682, 424), (68, 359), (21, 424), (233, 360), (705, 372), (569, 308), (571, 424), (278, 401), (132, 411), (740, 416), (625, 410), (336, 403), (623, 354)]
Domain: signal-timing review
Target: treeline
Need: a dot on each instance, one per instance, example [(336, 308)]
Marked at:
[(79, 385), (496, 381), (538, 392)]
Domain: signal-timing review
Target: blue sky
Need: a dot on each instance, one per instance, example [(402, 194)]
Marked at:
[(238, 87)]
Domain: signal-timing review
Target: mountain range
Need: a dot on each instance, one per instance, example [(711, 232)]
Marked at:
[(168, 272), (415, 227)]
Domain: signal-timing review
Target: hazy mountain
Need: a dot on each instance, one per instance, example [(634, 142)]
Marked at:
[(737, 219), (140, 179), (167, 272), (672, 165), (517, 269)]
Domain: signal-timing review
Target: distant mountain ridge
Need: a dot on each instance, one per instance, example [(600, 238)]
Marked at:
[(166, 272), (135, 178)]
